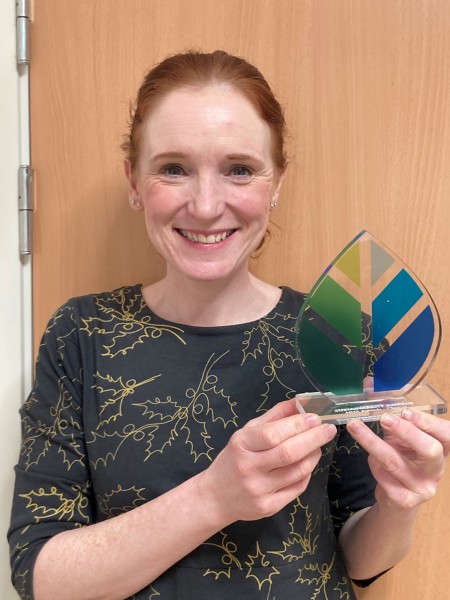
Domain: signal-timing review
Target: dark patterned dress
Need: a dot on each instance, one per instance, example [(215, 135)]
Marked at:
[(127, 405)]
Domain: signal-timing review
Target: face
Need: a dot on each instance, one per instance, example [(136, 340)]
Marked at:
[(205, 180)]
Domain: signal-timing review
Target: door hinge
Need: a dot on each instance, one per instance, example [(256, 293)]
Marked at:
[(25, 210), (23, 32)]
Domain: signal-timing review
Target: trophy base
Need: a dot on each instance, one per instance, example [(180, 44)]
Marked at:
[(369, 406)]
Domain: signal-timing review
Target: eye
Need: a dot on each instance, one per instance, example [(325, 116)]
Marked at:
[(173, 171), (240, 171)]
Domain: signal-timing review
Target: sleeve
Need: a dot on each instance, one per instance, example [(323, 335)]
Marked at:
[(351, 485), (52, 489)]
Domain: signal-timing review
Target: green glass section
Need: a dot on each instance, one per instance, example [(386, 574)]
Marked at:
[(339, 309), (326, 364), (381, 261), (350, 264)]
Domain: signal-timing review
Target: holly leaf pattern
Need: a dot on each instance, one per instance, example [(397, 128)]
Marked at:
[(302, 541), (39, 436), (229, 559), (51, 504), (201, 410), (260, 569), (316, 576), (275, 343), (113, 392), (120, 500), (125, 323)]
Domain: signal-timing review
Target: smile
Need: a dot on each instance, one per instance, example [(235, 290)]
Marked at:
[(201, 238)]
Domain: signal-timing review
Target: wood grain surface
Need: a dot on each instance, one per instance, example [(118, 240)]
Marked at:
[(366, 88)]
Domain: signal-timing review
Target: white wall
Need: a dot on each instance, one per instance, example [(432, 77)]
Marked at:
[(13, 349)]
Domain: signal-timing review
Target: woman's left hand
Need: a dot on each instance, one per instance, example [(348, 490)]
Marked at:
[(409, 462)]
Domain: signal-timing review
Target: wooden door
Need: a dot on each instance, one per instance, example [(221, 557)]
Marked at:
[(366, 88)]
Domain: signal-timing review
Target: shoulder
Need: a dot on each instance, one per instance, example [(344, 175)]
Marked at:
[(125, 299), (72, 316), (291, 300)]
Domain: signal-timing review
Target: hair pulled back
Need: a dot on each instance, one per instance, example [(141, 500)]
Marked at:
[(194, 69)]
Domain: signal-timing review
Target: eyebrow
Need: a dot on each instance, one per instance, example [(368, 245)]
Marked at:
[(171, 155), (178, 154), (244, 157)]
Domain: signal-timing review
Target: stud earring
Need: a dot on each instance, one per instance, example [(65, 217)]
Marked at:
[(273, 204), (136, 203)]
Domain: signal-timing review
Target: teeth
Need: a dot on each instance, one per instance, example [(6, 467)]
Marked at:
[(205, 239)]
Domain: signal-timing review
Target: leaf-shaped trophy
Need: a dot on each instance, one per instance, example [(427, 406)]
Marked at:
[(367, 334)]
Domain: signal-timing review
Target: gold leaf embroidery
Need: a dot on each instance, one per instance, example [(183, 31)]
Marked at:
[(114, 394), (258, 562), (120, 500), (228, 557), (39, 437), (124, 325), (53, 505), (298, 545)]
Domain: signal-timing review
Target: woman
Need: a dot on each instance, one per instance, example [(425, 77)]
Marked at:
[(160, 456)]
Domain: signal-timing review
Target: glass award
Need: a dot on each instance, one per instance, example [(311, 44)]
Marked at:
[(367, 334)]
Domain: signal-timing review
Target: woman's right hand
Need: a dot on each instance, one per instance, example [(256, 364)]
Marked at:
[(265, 465)]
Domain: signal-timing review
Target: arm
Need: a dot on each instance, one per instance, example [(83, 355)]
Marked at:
[(115, 558), (374, 540), (407, 465), (265, 465)]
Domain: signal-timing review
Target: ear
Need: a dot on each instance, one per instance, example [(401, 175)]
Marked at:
[(134, 196), (279, 184)]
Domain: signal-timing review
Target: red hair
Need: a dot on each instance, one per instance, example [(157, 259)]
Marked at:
[(199, 69)]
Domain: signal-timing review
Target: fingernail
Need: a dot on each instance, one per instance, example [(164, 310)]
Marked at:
[(388, 419), (313, 420), (409, 415), (355, 425), (331, 430)]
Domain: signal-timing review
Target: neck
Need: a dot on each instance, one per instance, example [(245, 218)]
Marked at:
[(211, 303)]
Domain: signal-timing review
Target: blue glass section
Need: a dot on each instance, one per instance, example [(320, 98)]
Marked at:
[(393, 303), (405, 357)]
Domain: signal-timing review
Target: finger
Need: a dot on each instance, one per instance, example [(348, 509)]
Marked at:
[(284, 496), (380, 452), (389, 486), (287, 408), (301, 470), (418, 490), (296, 448), (428, 450), (396, 462), (291, 492), (407, 435), (434, 426), (264, 436)]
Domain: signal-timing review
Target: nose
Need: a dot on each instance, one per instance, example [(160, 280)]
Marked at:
[(207, 201)]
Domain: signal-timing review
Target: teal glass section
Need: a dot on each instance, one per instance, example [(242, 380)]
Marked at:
[(339, 309), (392, 304)]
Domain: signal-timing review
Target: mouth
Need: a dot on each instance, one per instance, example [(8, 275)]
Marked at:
[(206, 238)]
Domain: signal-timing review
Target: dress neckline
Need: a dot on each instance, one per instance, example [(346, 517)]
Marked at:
[(215, 328)]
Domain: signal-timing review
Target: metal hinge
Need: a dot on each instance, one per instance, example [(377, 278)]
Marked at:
[(25, 209), (23, 32)]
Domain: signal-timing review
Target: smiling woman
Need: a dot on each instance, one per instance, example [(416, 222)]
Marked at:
[(162, 451), (206, 203)]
